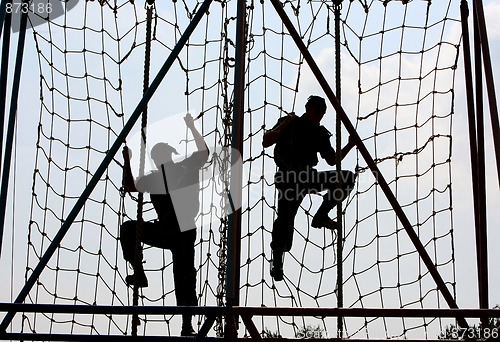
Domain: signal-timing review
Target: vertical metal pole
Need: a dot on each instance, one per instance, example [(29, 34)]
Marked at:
[(473, 140), (9, 139), (234, 245), (338, 164), (490, 83), (105, 162), (481, 234), (4, 72), (384, 186), (234, 227), (3, 11)]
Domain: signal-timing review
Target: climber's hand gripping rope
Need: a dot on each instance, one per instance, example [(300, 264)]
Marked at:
[(128, 183)]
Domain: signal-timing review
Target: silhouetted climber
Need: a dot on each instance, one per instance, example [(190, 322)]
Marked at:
[(174, 191), (298, 141)]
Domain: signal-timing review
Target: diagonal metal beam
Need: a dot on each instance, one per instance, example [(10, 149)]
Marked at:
[(4, 72), (369, 160), (254, 333), (9, 139), (3, 10), (205, 328), (490, 82), (106, 161)]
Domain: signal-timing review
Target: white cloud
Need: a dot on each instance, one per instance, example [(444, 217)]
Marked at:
[(492, 13)]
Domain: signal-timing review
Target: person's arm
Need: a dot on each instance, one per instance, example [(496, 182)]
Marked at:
[(330, 158), (347, 148), (271, 137), (198, 138), (127, 177)]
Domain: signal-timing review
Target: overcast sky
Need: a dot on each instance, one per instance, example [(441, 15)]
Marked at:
[(14, 246)]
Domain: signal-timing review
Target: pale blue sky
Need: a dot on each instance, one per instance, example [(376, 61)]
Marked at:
[(14, 246)]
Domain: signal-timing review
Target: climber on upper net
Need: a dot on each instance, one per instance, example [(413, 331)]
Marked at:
[(298, 141), (174, 191)]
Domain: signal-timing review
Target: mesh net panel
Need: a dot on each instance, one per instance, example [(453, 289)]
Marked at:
[(398, 66)]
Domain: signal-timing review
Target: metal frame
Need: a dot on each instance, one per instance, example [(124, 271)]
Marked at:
[(3, 8), (490, 83), (211, 312), (475, 109), (234, 227), (234, 220), (9, 139), (5, 23), (464, 9), (232, 297)]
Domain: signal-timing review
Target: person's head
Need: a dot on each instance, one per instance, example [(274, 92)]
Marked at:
[(315, 108), (161, 153)]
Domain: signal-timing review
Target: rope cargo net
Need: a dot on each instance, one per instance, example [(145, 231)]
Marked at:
[(398, 68)]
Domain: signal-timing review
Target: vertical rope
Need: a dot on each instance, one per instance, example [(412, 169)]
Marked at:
[(271, 78), (142, 159), (224, 174), (338, 166)]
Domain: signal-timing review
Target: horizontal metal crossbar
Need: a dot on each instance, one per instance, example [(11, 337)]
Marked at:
[(61, 337), (213, 311), (252, 311)]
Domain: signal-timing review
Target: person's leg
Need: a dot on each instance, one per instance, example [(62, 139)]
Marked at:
[(128, 234), (335, 194), (183, 254), (290, 195), (127, 240)]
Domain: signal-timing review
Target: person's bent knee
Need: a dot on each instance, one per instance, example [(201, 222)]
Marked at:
[(127, 233), (281, 246), (128, 228), (127, 240)]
